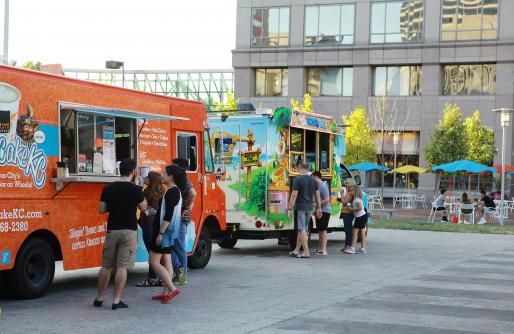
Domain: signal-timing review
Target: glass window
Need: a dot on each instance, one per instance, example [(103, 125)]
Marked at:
[(207, 153), (397, 21), (469, 20), (68, 136), (270, 27), (397, 80), (271, 82), (187, 148), (329, 24), (330, 81), (475, 79)]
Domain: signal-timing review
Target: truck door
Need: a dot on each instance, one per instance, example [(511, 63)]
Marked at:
[(187, 148)]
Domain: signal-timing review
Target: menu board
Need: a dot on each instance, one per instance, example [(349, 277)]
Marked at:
[(109, 151), (297, 140)]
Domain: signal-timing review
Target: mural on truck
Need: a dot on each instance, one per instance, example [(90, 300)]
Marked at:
[(256, 157)]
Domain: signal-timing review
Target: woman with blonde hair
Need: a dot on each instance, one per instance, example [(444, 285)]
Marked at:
[(361, 219), (346, 212)]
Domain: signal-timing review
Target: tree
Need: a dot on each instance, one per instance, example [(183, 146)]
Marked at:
[(231, 103), (32, 65), (307, 103), (359, 140), (481, 143), (449, 141)]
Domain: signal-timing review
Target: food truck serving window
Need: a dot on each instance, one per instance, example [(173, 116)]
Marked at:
[(93, 144), (187, 148)]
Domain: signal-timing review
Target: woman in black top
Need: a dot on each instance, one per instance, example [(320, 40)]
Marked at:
[(160, 258)]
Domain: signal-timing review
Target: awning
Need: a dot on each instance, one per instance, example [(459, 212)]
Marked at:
[(129, 114)]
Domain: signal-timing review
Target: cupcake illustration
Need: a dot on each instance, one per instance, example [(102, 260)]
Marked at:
[(27, 125)]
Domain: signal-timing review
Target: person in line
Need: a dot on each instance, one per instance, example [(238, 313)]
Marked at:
[(439, 205), (120, 199), (179, 255), (326, 210), (347, 213), (361, 221), (487, 205), (304, 190), (166, 230), (153, 193)]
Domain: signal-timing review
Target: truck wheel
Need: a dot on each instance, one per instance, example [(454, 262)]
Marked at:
[(34, 269), (202, 253), (292, 239), (227, 242)]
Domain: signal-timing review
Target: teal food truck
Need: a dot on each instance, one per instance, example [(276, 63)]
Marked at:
[(256, 157)]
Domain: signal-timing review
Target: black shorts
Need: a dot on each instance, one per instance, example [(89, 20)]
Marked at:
[(361, 222), (322, 223)]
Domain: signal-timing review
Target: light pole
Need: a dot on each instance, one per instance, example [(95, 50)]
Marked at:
[(396, 140), (116, 65), (6, 33), (505, 120)]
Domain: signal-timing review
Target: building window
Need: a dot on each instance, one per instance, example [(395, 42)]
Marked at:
[(271, 82), (397, 22), (329, 24), (330, 81), (397, 80), (469, 20), (270, 27), (476, 79)]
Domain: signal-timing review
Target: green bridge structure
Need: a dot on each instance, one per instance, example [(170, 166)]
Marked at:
[(209, 86)]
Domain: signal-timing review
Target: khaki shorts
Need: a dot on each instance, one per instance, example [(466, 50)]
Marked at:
[(119, 249)]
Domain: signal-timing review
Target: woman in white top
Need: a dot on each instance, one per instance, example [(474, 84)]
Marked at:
[(361, 219)]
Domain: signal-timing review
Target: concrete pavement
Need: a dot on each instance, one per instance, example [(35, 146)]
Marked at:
[(409, 282)]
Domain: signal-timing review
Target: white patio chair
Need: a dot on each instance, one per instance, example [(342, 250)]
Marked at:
[(433, 212), (467, 210), (421, 200)]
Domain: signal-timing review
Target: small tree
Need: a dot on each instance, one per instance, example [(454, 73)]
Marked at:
[(359, 140), (32, 65), (449, 141), (482, 146), (231, 103)]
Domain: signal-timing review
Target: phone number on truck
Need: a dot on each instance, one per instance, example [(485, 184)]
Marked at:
[(14, 226)]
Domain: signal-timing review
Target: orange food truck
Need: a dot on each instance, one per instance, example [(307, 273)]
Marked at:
[(61, 140)]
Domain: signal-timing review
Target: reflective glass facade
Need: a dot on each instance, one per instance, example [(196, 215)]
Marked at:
[(270, 27), (474, 79), (271, 82), (330, 81), (469, 20), (329, 24), (397, 22), (397, 80)]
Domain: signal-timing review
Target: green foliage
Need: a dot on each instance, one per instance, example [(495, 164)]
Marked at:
[(282, 118), (32, 65), (482, 146), (230, 105), (449, 141), (359, 141)]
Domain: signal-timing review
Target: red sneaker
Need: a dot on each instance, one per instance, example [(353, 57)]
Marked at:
[(167, 299), (158, 297)]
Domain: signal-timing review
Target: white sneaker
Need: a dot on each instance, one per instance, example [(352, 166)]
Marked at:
[(481, 221), (362, 251), (350, 250)]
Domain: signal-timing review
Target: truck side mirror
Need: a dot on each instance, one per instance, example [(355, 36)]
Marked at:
[(357, 179)]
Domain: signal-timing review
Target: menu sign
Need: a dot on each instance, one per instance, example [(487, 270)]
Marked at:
[(315, 122), (297, 140)]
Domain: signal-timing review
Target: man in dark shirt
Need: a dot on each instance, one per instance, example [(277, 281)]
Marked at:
[(487, 205), (179, 255), (305, 189), (120, 199)]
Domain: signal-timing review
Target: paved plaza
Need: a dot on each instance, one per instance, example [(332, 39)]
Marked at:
[(409, 282)]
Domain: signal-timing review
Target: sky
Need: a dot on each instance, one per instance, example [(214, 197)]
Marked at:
[(150, 34)]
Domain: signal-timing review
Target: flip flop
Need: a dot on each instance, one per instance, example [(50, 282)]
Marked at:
[(293, 254), (146, 283)]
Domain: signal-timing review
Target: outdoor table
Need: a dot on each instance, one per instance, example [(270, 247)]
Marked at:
[(407, 200)]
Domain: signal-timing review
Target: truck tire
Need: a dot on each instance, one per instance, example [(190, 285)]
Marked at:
[(227, 242), (202, 253), (33, 271)]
